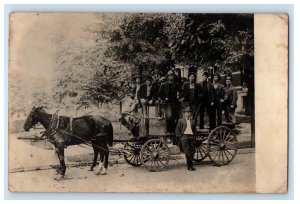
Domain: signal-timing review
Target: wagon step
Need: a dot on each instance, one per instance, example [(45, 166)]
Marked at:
[(203, 131)]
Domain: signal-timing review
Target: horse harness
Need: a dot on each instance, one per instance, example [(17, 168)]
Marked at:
[(54, 128)]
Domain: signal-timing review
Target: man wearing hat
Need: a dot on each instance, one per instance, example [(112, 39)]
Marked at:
[(230, 99), (206, 99), (167, 93), (134, 94), (147, 95), (158, 80), (185, 130), (190, 95), (217, 101)]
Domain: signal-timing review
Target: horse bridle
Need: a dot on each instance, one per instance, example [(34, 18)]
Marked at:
[(52, 128)]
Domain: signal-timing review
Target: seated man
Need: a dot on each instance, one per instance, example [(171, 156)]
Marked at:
[(134, 95), (158, 80), (146, 95)]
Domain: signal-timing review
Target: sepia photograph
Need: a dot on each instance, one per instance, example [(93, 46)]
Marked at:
[(145, 102)]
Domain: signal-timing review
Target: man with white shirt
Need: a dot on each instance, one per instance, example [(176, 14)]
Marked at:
[(185, 130)]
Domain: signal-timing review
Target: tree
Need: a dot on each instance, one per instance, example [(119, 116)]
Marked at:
[(141, 41), (217, 40), (85, 75)]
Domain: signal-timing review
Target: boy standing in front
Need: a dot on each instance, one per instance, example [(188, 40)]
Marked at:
[(185, 130)]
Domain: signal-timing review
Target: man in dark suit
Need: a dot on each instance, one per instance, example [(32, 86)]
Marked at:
[(217, 101), (230, 99), (185, 130), (190, 95), (168, 93), (206, 99)]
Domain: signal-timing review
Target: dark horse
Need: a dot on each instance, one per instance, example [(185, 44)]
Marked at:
[(65, 131)]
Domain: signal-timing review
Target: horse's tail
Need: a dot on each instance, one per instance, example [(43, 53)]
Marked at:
[(110, 136)]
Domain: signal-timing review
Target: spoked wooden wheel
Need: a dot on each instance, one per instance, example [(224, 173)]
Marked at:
[(132, 153), (222, 145), (155, 155), (201, 149)]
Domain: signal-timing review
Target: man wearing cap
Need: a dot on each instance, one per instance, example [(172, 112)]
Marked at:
[(167, 93), (206, 99), (217, 101), (190, 95), (230, 99), (185, 130)]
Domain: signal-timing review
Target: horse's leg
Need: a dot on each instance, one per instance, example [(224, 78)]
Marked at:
[(58, 170), (104, 157), (100, 167), (96, 152), (61, 153), (106, 153)]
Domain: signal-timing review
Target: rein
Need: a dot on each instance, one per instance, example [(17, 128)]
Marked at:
[(86, 142)]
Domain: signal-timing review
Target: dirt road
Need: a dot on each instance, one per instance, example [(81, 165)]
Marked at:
[(238, 176)]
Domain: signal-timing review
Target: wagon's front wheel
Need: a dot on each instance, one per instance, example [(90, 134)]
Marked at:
[(155, 155), (132, 153), (222, 145), (201, 149)]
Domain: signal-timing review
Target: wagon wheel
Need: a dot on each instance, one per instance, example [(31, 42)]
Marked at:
[(132, 153), (155, 154), (201, 149), (222, 145)]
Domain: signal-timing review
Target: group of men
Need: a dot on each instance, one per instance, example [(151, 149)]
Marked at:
[(182, 103), (170, 97)]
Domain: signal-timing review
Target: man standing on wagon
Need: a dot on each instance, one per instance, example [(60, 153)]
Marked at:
[(190, 95), (230, 99), (207, 98), (168, 93), (217, 102), (185, 130)]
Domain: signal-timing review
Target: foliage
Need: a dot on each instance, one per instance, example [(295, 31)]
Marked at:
[(217, 40), (85, 76), (141, 41)]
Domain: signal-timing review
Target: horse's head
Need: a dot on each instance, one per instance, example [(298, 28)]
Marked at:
[(32, 118)]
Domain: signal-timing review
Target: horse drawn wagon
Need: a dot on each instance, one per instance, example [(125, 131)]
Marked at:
[(150, 145)]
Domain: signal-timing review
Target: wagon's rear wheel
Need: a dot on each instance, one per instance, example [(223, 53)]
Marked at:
[(201, 149), (132, 153), (222, 145), (155, 155)]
